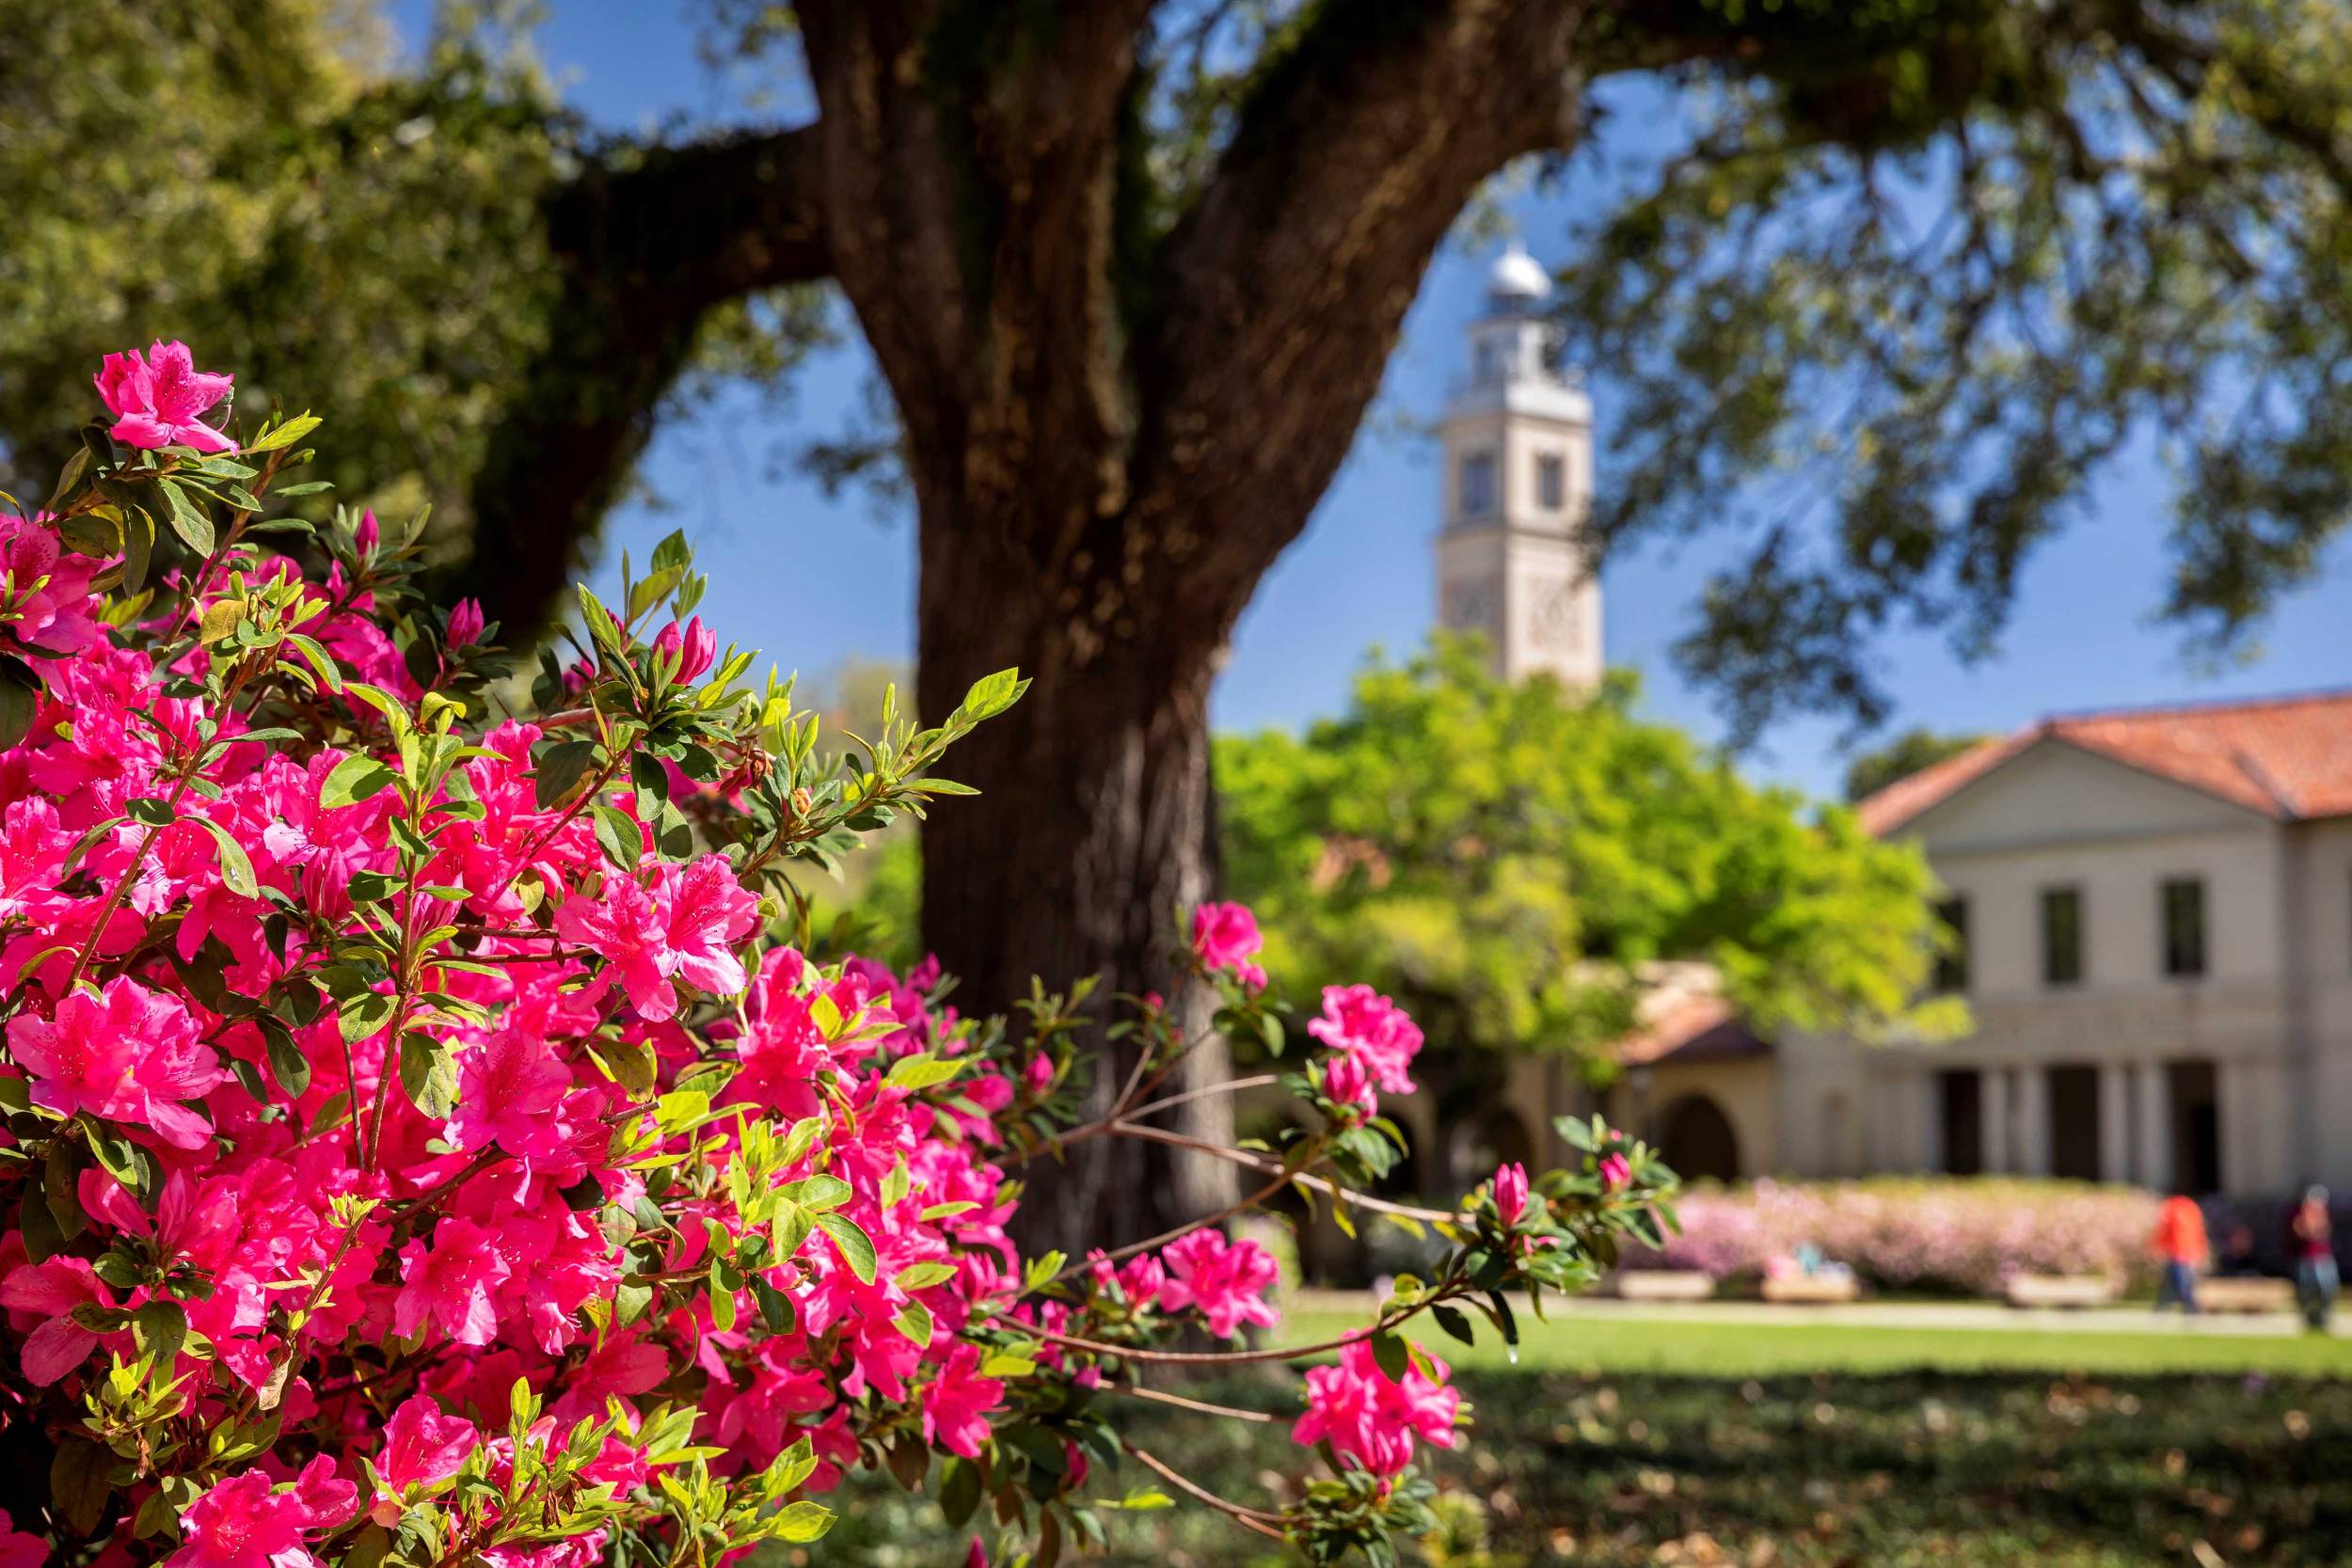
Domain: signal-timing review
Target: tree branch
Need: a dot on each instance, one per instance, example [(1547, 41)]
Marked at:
[(646, 250)]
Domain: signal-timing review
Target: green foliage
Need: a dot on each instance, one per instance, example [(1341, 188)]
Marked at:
[(1912, 751), (1931, 268), (1508, 860)]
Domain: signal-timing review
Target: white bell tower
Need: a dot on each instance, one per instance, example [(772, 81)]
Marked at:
[(1518, 482)]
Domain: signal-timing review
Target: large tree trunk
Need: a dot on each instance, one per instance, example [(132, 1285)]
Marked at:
[(1091, 835)]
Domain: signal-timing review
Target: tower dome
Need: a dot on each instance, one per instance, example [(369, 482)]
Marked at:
[(1517, 279)]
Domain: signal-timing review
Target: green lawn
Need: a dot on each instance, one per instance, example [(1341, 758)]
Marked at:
[(1676, 1443), (1697, 1348)]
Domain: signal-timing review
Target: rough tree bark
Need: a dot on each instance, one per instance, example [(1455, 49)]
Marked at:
[(1111, 434)]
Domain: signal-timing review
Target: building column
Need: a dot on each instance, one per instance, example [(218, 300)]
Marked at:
[(2152, 1162), (2115, 1122), (1994, 1107), (2033, 1121)]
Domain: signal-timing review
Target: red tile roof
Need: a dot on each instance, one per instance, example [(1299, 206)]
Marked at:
[(2287, 758), (1702, 1028)]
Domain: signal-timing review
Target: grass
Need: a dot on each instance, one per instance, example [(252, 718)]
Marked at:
[(1691, 1346), (1669, 1443)]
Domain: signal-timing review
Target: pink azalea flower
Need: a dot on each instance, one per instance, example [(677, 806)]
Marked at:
[(245, 1522), (1348, 1082), (18, 1549), (1511, 1192), (1225, 1282), (451, 1284), (45, 598), (51, 1292), (465, 624), (1370, 1421), (508, 1089), (956, 1405), (129, 1053), (694, 645), (421, 1448), (156, 399), (1615, 1172), (683, 927), (1359, 1021), (1225, 936)]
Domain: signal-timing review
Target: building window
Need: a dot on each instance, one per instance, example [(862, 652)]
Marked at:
[(2061, 936), (1551, 482), (1478, 484), (1485, 363), (2185, 927), (1951, 957), (1960, 1102)]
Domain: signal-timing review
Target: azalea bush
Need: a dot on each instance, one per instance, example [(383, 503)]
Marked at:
[(429, 1139), (1968, 1235)]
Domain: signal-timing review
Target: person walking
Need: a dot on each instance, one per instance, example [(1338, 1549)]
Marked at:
[(2180, 1245), (2314, 1235)]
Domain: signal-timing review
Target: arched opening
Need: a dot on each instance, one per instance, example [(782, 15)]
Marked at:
[(1698, 1142)]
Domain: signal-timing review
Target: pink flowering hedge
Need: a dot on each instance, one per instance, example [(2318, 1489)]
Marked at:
[(1966, 1235), (427, 1143)]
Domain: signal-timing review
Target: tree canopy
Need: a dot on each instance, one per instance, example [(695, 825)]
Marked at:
[(1511, 862), (1900, 757)]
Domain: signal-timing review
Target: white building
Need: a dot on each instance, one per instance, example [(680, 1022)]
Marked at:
[(2155, 906), (1517, 438), (2155, 915)]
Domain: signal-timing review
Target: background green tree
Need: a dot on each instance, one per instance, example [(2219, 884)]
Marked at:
[(1513, 862), (1909, 753)]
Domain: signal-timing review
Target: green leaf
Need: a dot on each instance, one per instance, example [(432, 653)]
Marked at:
[(560, 767), (855, 1246), (1453, 1322), (283, 436), (922, 1071), (188, 519), (362, 1014), (80, 1478), (619, 836), (915, 1321), (801, 1521), (159, 1329), (236, 867), (139, 546), (428, 1072), (992, 695), (287, 1064), (20, 694), (922, 1276), (1390, 1355), (356, 778)]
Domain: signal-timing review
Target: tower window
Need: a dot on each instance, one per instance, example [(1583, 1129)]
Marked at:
[(2185, 927), (1478, 484), (2061, 936), (1551, 482), (1485, 363)]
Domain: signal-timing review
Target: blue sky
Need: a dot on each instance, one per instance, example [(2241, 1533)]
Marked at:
[(811, 580)]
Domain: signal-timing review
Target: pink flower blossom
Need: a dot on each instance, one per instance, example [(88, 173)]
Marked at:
[(129, 1054), (694, 646), (450, 1284), (508, 1089), (245, 1522), (1348, 1082), (1371, 1421), (45, 597), (683, 927), (20, 1550), (421, 1448), (1359, 1021), (50, 1291), (1511, 1192), (1225, 1282), (1226, 937), (467, 624), (956, 1405), (1616, 1171), (157, 397)]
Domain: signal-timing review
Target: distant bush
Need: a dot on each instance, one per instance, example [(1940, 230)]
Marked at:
[(1914, 1233)]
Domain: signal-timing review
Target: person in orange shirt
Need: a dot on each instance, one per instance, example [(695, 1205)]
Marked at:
[(2180, 1245)]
